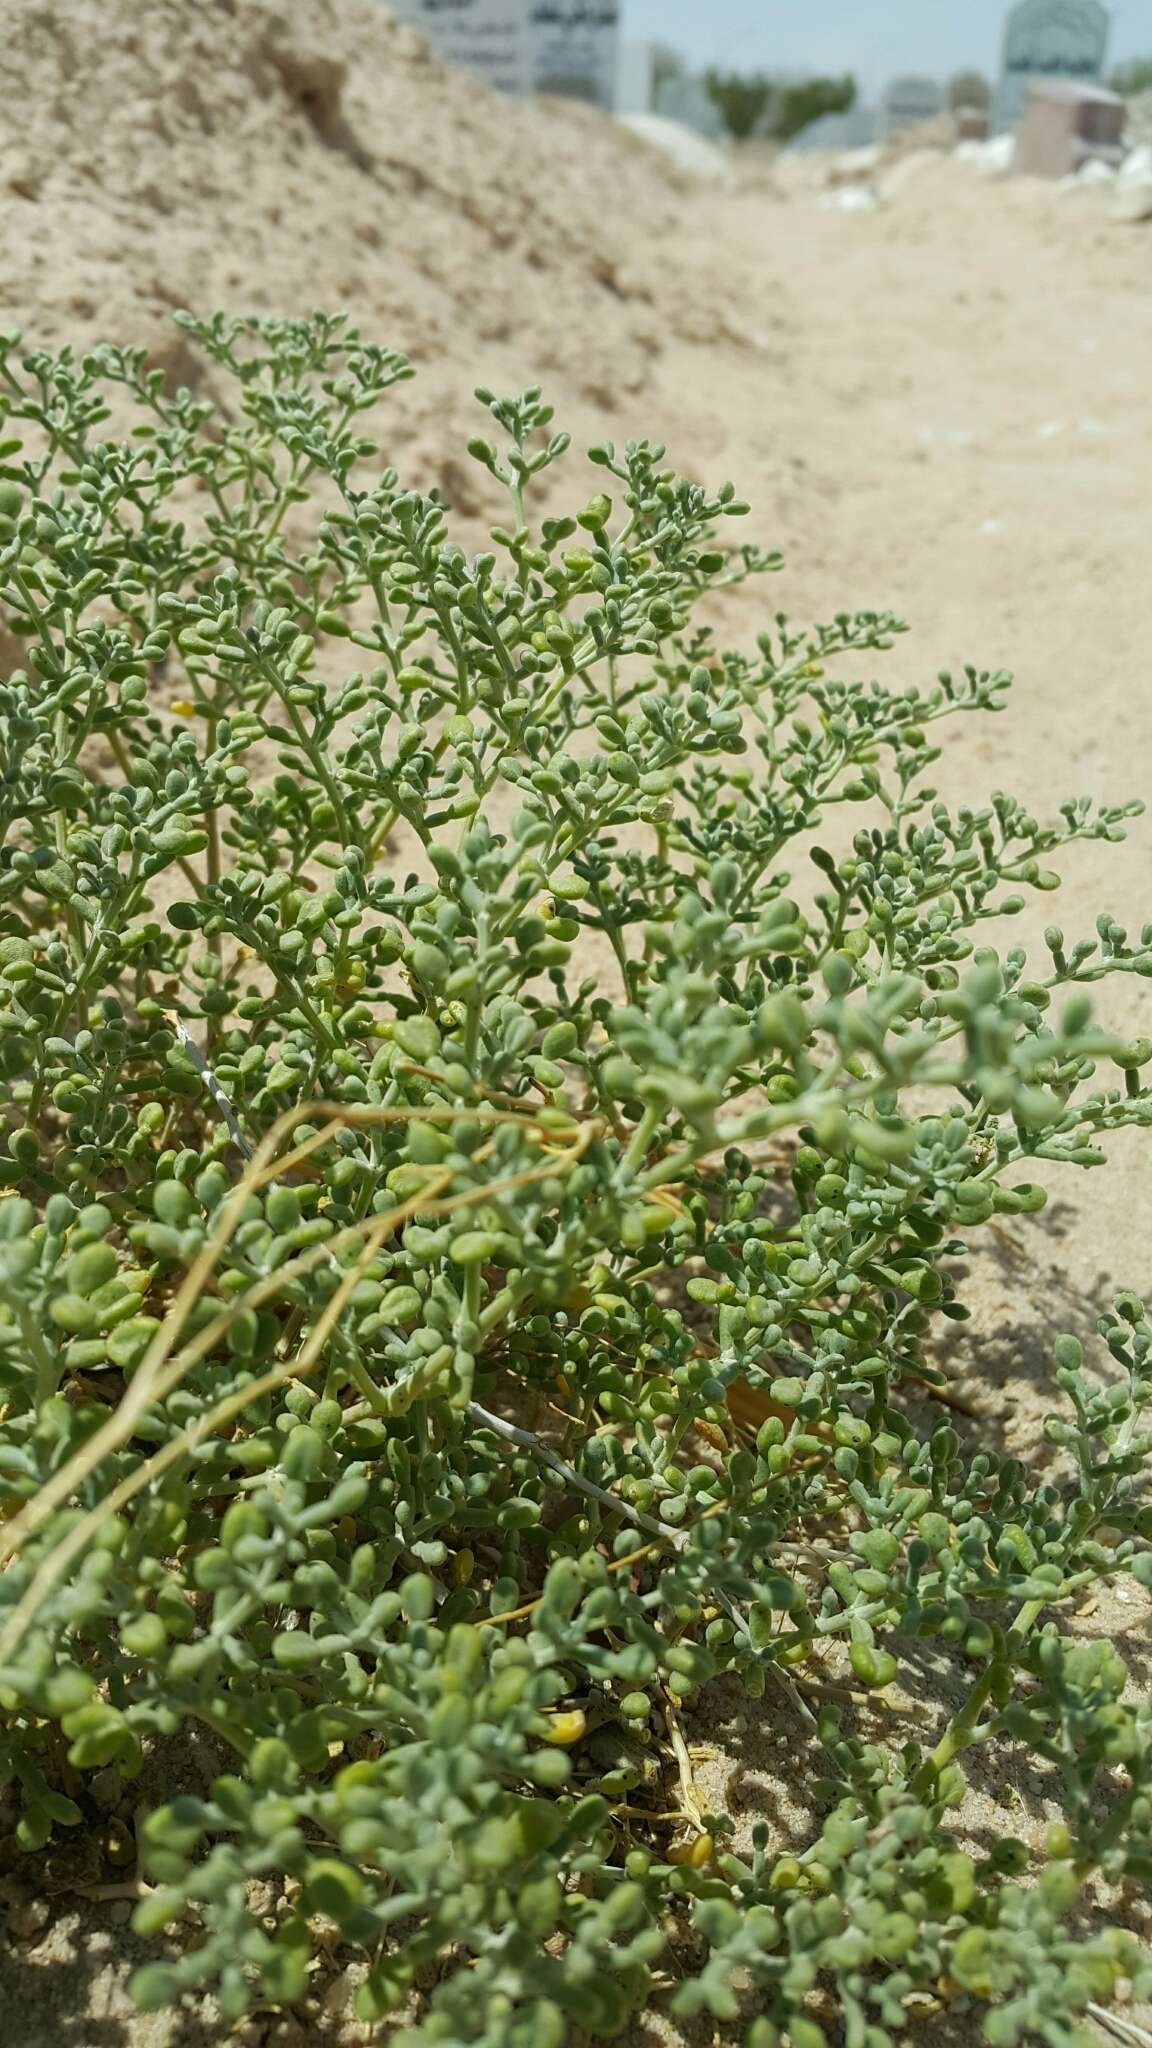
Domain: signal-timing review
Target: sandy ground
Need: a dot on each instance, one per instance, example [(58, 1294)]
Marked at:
[(942, 407)]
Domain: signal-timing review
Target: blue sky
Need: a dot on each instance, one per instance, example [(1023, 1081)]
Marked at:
[(873, 38)]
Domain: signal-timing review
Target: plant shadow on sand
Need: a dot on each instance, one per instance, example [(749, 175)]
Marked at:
[(999, 1364)]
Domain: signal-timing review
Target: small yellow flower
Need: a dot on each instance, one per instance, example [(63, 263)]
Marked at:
[(183, 707), (565, 1729), (697, 1853)]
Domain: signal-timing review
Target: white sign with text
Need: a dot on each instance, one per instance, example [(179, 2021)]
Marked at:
[(552, 46), (486, 36), (572, 48)]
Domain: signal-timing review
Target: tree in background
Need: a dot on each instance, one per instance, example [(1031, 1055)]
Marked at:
[(752, 103), (969, 89), (743, 99), (1133, 77), (797, 106)]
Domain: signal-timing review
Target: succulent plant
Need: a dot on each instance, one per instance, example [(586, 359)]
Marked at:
[(430, 1358)]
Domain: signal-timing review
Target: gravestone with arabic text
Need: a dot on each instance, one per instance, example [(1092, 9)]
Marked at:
[(553, 46), (1049, 39), (485, 36), (572, 48)]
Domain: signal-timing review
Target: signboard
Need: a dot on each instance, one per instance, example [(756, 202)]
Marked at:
[(909, 100), (572, 48), (1049, 39), (556, 46), (486, 36)]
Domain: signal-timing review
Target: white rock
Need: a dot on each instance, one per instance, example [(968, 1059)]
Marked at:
[(1133, 193), (1133, 199), (689, 151), (993, 159), (1093, 171), (851, 166), (1137, 165), (850, 198)]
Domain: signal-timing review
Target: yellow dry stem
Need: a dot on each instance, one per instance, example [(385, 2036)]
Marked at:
[(158, 1373)]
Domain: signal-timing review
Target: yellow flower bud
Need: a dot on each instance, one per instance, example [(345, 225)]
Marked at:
[(697, 1853), (565, 1729)]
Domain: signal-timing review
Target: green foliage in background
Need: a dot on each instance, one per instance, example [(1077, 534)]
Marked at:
[(754, 103), (969, 89), (1133, 77), (798, 104), (497, 1085), (742, 99)]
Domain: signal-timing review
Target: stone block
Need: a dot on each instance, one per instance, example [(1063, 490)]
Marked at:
[(1066, 122)]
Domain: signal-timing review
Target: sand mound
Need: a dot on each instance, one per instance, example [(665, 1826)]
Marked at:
[(234, 155)]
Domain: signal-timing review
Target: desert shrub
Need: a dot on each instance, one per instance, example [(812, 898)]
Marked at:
[(805, 100), (743, 100), (969, 89), (1133, 77), (475, 1231), (755, 103)]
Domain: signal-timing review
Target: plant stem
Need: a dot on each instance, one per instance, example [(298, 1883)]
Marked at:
[(960, 1733), (47, 1367)]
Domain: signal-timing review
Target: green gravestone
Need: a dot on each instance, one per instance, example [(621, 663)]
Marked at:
[(1049, 39)]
